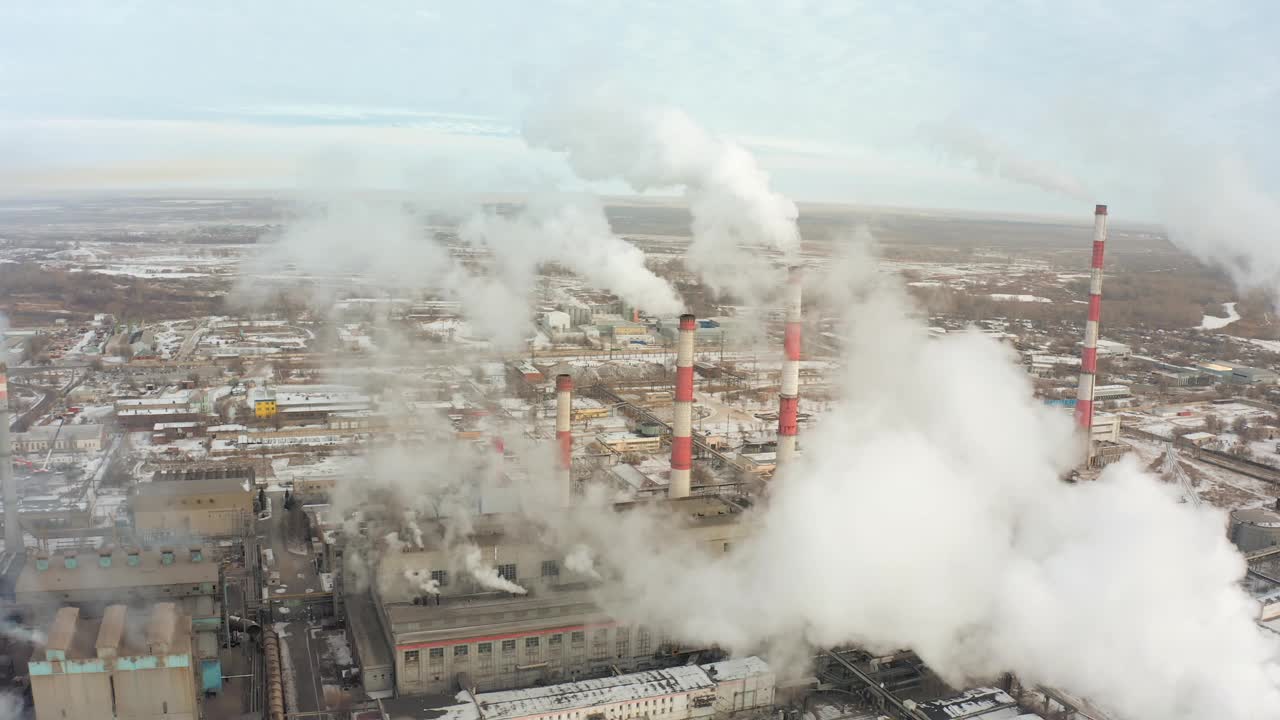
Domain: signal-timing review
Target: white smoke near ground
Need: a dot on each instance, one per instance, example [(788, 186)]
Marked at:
[(736, 215), (485, 574), (989, 156)]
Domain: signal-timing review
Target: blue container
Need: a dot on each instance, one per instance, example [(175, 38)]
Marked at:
[(211, 675)]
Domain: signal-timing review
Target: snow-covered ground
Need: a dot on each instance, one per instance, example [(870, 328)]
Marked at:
[(1018, 298), (1209, 322)]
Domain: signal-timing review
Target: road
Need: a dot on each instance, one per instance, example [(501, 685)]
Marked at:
[(283, 533)]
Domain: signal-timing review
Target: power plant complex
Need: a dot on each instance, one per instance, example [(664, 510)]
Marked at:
[(464, 578)]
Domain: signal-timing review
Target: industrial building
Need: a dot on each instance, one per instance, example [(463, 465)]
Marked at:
[(1255, 529), (263, 402), (688, 692), (183, 509), (94, 579), (118, 666), (555, 632), (1238, 374), (59, 438)]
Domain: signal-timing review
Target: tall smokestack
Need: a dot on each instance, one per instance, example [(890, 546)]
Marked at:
[(682, 423), (12, 531), (1089, 357), (789, 401), (564, 438)]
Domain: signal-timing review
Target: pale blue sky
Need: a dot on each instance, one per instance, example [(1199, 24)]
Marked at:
[(836, 98)]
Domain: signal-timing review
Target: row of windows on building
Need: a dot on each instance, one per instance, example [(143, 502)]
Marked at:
[(507, 571), (533, 645)]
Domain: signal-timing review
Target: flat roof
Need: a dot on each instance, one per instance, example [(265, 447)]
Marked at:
[(92, 576), (175, 488), (508, 704)]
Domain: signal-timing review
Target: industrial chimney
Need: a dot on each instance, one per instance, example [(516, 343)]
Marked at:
[(1089, 356), (564, 439), (682, 422), (12, 530), (789, 401)]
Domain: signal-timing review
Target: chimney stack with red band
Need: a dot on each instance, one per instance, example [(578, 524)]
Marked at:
[(564, 438), (682, 422), (1089, 357), (789, 402)]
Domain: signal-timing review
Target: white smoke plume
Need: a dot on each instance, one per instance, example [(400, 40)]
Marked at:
[(991, 157), (1215, 207), (928, 512), (423, 581), (1211, 203), (580, 559), (338, 243), (658, 148), (411, 522), (485, 574), (30, 636), (574, 232), (393, 543)]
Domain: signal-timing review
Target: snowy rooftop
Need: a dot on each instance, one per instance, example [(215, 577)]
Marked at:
[(978, 702), (594, 693)]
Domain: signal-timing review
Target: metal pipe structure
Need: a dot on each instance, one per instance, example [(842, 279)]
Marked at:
[(274, 676), (1089, 357), (789, 399), (682, 421), (564, 438), (12, 530)]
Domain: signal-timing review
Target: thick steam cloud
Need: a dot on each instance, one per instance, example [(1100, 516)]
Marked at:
[(928, 512), (728, 193)]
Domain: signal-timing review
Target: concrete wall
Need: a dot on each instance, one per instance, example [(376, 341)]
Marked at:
[(64, 696), (168, 693)]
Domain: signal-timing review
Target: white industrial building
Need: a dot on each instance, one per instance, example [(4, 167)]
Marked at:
[(68, 438), (685, 692)]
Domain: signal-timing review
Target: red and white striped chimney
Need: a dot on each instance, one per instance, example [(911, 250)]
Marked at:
[(789, 400), (564, 438), (682, 422), (1089, 357)]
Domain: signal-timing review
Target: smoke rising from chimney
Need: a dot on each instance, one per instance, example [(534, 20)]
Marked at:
[(991, 157), (729, 196)]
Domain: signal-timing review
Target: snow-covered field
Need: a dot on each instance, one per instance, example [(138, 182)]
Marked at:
[(1210, 322)]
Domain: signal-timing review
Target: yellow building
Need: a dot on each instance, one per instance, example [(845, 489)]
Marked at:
[(264, 403), (629, 442)]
